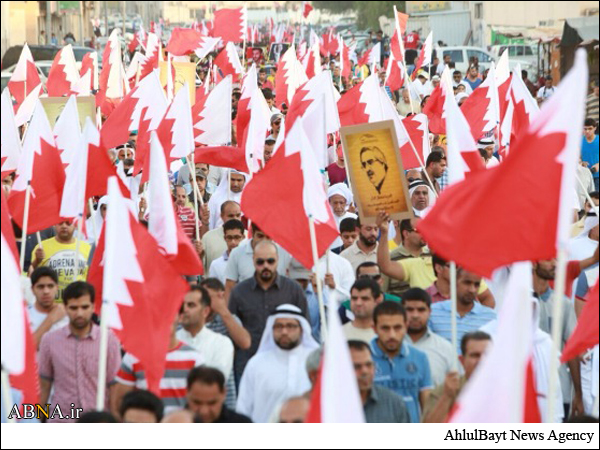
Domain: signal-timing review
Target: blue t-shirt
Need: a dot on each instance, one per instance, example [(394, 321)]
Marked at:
[(474, 84), (440, 321), (583, 285), (407, 375), (589, 152)]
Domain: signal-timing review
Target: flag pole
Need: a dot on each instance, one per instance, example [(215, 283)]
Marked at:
[(315, 251), (196, 196), (91, 207), (560, 283), (78, 246), (454, 312), (103, 363), (7, 396), (25, 224)]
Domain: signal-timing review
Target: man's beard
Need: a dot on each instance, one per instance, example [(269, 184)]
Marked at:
[(367, 241), (290, 345), (544, 274), (267, 275)]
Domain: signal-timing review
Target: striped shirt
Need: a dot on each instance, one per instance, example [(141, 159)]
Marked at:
[(592, 107), (71, 365), (187, 218), (173, 385), (440, 320)]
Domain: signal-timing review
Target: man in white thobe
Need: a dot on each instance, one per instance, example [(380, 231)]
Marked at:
[(277, 372)]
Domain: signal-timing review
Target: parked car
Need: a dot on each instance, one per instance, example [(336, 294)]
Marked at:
[(526, 54), (40, 53), (43, 68), (462, 55), (5, 80)]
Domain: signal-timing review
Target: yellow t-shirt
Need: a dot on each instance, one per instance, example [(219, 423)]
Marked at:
[(61, 258), (419, 273)]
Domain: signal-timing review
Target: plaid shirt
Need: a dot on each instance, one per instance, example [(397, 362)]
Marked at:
[(71, 364), (443, 181)]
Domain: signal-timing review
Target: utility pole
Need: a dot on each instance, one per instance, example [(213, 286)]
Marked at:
[(106, 30), (48, 21), (124, 13), (81, 23)]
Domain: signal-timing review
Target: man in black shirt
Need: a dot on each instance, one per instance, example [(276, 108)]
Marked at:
[(206, 397)]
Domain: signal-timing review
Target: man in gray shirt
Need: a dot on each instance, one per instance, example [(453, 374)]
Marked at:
[(253, 300), (381, 405)]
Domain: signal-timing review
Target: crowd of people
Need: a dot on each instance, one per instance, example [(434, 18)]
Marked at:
[(247, 343)]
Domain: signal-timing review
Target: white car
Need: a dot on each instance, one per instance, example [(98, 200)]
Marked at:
[(462, 55), (43, 68)]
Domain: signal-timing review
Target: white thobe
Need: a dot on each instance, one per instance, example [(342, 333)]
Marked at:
[(270, 379)]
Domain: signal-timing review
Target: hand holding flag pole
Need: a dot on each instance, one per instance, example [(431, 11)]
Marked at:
[(313, 241)]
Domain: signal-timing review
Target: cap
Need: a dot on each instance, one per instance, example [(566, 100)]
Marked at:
[(274, 117), (270, 138), (298, 271), (200, 173), (424, 74)]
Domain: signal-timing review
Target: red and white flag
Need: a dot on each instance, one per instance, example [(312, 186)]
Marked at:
[(63, 76), (463, 154), (227, 157), (162, 223), (425, 55), (504, 198), (505, 376), (290, 76), (185, 41), (306, 9), (152, 57), (294, 165), (89, 64), (127, 116), (336, 397), (417, 128), (25, 77), (9, 136), (140, 289), (249, 85), (435, 107), (73, 198), (41, 167), (231, 24), (316, 104), (67, 132), (395, 74), (212, 116), (525, 106), (176, 130), (585, 335), (19, 356), (256, 133), (372, 56), (229, 62), (369, 103), (25, 111), (482, 107), (312, 61), (345, 63), (112, 80)]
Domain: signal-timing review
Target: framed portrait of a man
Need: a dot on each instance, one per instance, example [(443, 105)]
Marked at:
[(376, 171), (54, 106), (184, 73), (277, 50)]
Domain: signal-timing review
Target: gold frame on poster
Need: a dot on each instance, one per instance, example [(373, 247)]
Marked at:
[(53, 106), (376, 171), (184, 73)]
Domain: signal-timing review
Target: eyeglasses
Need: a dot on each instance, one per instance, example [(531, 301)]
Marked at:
[(261, 262), (286, 326), (374, 276), (277, 123)]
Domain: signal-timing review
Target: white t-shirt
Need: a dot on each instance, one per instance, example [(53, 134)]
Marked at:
[(36, 318)]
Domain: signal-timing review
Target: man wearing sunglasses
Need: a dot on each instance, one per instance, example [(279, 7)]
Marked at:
[(254, 299)]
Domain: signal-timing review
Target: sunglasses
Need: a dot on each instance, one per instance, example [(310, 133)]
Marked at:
[(374, 277), (261, 262), (278, 122)]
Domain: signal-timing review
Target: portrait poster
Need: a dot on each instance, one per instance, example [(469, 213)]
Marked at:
[(86, 106), (277, 51), (376, 171), (256, 54), (185, 72)]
